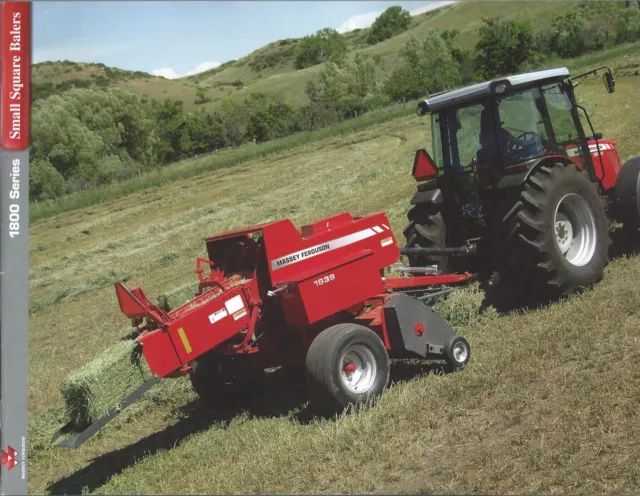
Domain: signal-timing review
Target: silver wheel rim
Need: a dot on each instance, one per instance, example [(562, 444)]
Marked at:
[(358, 369), (575, 229), (460, 352)]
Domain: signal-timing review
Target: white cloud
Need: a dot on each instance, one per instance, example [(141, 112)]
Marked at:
[(430, 6), (362, 21), (169, 73)]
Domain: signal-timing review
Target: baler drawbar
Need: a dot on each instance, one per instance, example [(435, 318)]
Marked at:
[(272, 296)]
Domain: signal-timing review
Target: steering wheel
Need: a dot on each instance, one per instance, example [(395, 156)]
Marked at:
[(523, 136), (530, 137)]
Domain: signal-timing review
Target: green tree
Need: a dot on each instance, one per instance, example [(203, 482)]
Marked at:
[(424, 67), (571, 34), (326, 45), (628, 25), (504, 47), (269, 117), (391, 22), (173, 136), (351, 87), (234, 118), (45, 182), (206, 132), (201, 97), (463, 58)]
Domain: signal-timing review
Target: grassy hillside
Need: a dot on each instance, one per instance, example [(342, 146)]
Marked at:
[(271, 68), (54, 77), (548, 404)]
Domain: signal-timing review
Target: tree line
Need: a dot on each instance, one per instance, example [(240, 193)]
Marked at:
[(86, 137)]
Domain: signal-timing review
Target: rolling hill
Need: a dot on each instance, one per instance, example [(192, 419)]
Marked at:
[(271, 68)]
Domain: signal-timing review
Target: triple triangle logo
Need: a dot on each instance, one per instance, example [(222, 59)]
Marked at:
[(9, 457)]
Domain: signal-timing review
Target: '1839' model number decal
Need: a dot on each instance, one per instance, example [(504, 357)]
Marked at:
[(325, 280)]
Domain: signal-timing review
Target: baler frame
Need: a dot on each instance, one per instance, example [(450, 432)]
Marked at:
[(271, 285)]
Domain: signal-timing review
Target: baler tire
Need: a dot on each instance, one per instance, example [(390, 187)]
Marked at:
[(218, 393), (533, 224), (457, 352), (627, 195), (326, 373), (426, 229)]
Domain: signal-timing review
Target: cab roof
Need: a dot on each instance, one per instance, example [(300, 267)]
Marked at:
[(488, 88)]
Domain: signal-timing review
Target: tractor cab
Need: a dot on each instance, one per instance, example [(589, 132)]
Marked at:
[(499, 127), (515, 189)]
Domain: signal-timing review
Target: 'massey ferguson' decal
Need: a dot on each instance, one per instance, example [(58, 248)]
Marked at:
[(574, 152), (312, 251)]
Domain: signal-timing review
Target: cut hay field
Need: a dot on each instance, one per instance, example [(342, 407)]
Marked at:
[(549, 402)]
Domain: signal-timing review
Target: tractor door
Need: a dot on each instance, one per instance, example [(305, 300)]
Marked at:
[(568, 134)]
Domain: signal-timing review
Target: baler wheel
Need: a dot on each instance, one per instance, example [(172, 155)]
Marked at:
[(347, 365), (457, 352), (214, 382)]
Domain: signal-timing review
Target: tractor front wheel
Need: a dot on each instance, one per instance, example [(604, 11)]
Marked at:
[(558, 232), (347, 364)]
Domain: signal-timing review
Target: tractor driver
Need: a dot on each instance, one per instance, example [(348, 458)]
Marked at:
[(494, 138)]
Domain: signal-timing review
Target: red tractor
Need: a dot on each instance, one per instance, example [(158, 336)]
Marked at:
[(515, 190)]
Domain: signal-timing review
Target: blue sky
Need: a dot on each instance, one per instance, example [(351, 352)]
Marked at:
[(178, 38)]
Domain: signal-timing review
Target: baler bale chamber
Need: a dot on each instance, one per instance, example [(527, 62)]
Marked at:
[(318, 299)]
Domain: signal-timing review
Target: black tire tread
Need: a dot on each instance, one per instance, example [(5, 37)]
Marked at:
[(430, 217), (526, 228), (625, 194)]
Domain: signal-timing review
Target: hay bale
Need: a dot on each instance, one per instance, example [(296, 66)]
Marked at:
[(91, 391)]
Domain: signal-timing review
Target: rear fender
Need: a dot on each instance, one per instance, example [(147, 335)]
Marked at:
[(430, 196), (516, 175)]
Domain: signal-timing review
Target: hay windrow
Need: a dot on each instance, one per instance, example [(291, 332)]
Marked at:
[(91, 391), (464, 307)]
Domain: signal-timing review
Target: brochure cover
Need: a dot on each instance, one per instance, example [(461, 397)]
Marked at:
[(15, 69)]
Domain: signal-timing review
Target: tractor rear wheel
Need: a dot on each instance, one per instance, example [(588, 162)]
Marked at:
[(558, 233), (627, 195), (426, 229), (224, 381), (347, 364)]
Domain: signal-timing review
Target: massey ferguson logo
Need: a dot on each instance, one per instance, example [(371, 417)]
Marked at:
[(9, 457)]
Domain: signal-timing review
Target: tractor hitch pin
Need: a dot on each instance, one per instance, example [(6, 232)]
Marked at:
[(273, 293)]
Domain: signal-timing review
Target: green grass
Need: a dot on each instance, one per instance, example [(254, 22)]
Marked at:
[(548, 404)]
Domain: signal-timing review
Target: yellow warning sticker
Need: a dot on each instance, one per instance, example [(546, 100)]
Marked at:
[(239, 314), (386, 241), (185, 341)]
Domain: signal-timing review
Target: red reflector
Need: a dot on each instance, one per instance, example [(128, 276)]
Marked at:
[(424, 166)]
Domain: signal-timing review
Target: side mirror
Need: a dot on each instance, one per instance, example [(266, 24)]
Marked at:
[(609, 82)]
